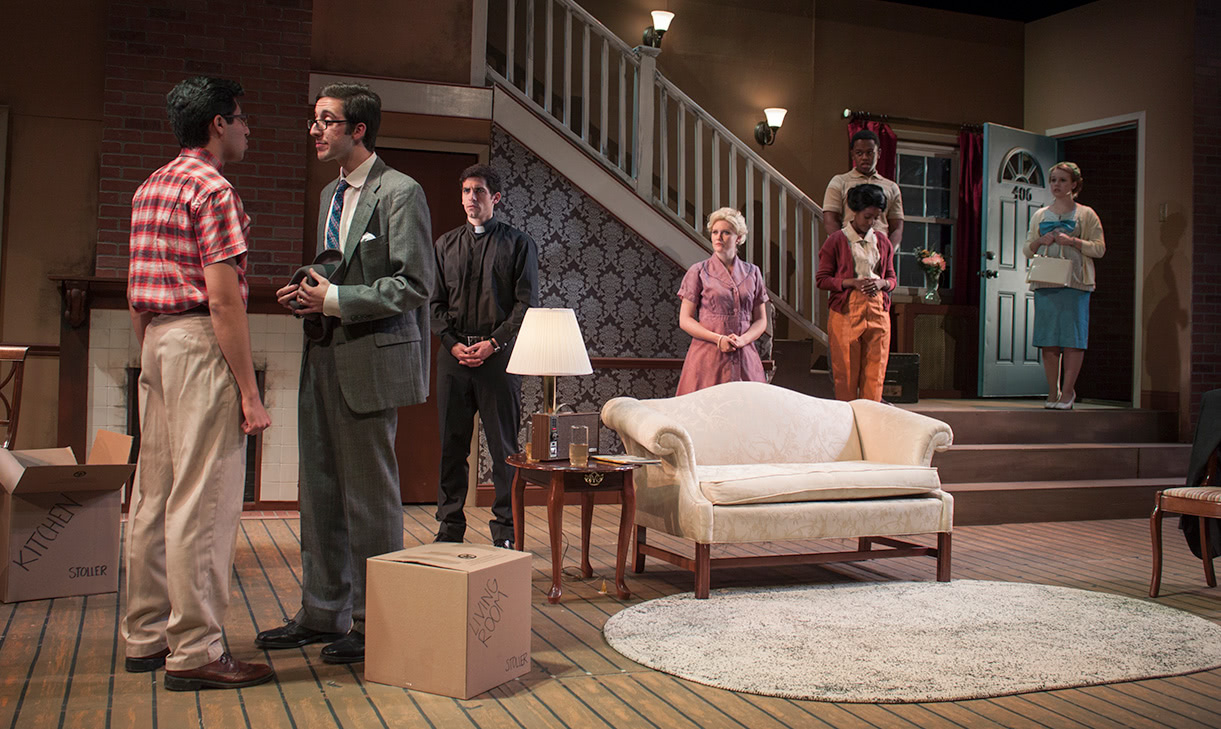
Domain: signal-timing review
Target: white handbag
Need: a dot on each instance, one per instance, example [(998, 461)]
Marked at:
[(1050, 271)]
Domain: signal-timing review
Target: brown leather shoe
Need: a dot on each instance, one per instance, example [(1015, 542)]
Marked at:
[(144, 664), (225, 672)]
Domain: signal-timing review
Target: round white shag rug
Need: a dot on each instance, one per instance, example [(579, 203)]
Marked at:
[(900, 642)]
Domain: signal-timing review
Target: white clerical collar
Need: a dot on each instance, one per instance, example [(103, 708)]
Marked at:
[(479, 229)]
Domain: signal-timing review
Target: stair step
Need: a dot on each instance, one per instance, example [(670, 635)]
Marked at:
[(815, 383), (1019, 502), (981, 424), (1061, 461)]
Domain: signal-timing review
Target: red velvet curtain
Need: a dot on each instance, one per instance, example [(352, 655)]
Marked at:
[(889, 143), (970, 200)]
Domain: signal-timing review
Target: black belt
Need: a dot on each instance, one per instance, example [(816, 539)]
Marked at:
[(194, 310)]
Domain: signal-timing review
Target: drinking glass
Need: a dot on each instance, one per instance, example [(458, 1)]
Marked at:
[(578, 446)]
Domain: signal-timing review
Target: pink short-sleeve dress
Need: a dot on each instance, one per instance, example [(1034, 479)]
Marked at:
[(724, 304)]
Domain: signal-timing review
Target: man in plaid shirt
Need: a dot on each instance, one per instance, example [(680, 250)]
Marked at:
[(186, 290)]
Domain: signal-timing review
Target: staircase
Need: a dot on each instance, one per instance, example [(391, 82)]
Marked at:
[(609, 101), (1026, 464)]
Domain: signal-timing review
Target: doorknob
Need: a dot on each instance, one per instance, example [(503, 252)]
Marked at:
[(989, 255), (989, 273)]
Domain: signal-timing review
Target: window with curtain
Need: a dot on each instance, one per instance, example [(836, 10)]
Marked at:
[(928, 178)]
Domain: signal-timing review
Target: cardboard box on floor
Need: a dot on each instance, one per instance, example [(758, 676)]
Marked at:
[(59, 520), (450, 619)]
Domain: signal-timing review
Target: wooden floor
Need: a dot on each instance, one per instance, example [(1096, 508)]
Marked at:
[(61, 660)]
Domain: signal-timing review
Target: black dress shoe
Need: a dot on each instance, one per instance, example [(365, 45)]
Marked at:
[(447, 538), (348, 649), (144, 664), (292, 635), (503, 543)]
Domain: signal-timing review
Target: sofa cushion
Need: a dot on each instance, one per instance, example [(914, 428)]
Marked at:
[(778, 483)]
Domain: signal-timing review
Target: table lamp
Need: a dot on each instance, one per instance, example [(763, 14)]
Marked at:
[(550, 344)]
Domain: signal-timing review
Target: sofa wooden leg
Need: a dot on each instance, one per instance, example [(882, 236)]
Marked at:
[(1155, 535), (1206, 554), (638, 559), (703, 570), (864, 544), (943, 556)]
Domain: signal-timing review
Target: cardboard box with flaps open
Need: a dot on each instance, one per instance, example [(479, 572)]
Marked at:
[(59, 519)]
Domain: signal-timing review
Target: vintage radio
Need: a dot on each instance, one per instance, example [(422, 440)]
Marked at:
[(551, 433), (902, 380)]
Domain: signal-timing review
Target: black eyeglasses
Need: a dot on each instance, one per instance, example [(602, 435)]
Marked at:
[(243, 118), (324, 123)]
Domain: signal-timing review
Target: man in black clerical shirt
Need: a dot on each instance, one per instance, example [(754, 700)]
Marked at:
[(487, 276)]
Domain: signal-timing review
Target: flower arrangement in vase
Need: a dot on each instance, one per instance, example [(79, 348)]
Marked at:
[(933, 264)]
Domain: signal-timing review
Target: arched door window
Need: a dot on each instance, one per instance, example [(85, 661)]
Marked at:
[(1021, 167)]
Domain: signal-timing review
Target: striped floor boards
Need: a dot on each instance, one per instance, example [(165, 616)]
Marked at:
[(62, 660)]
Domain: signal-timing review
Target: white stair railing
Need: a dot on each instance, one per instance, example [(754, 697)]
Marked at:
[(601, 119), (608, 99), (702, 166)]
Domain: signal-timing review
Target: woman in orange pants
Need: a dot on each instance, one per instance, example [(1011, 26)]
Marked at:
[(857, 266)]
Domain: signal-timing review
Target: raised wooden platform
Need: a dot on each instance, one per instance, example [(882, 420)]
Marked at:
[(1013, 461)]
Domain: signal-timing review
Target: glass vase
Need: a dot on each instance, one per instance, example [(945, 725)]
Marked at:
[(932, 293)]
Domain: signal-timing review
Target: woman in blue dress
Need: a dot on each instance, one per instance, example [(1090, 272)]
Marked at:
[(1064, 229)]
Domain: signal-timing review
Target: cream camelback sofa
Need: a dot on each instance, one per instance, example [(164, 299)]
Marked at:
[(750, 462)]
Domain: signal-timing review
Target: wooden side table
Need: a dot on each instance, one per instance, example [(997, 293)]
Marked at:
[(561, 477)]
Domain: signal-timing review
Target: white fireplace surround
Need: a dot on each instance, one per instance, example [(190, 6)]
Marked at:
[(276, 344)]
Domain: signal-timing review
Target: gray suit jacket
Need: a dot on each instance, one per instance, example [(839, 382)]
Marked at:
[(381, 338)]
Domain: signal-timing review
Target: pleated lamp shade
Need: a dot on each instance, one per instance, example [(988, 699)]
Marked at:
[(550, 343)]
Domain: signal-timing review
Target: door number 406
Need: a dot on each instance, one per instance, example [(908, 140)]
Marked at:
[(1023, 193)]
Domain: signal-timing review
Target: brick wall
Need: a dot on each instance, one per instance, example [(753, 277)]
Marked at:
[(1206, 208), (151, 46), (1108, 163)]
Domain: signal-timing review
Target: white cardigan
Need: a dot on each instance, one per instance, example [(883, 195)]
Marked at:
[(1089, 230)]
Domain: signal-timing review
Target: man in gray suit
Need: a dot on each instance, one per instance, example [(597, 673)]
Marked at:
[(369, 357)]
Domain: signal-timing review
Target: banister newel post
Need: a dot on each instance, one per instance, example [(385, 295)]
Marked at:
[(644, 90)]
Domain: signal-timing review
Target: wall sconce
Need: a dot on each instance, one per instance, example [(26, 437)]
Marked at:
[(765, 131), (661, 23)]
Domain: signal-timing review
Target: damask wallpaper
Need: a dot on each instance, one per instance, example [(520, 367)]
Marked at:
[(624, 290)]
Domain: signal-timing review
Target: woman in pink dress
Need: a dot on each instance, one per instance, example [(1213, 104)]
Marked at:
[(723, 309)]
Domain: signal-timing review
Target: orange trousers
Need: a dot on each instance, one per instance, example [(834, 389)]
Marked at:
[(860, 347)]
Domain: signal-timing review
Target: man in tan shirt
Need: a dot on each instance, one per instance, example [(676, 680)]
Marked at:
[(864, 147)]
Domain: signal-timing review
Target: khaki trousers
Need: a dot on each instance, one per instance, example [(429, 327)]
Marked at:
[(183, 519), (860, 347)]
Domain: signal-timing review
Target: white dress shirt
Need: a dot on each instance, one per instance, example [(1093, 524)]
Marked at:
[(351, 196)]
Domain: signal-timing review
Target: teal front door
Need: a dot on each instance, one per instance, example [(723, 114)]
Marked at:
[(1016, 163)]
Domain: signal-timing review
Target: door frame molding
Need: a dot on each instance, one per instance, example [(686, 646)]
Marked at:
[(483, 152), (1101, 125)]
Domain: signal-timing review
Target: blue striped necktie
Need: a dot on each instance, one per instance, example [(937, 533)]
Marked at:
[(332, 222)]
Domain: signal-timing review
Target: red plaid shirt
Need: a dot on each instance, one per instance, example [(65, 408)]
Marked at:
[(185, 216)]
